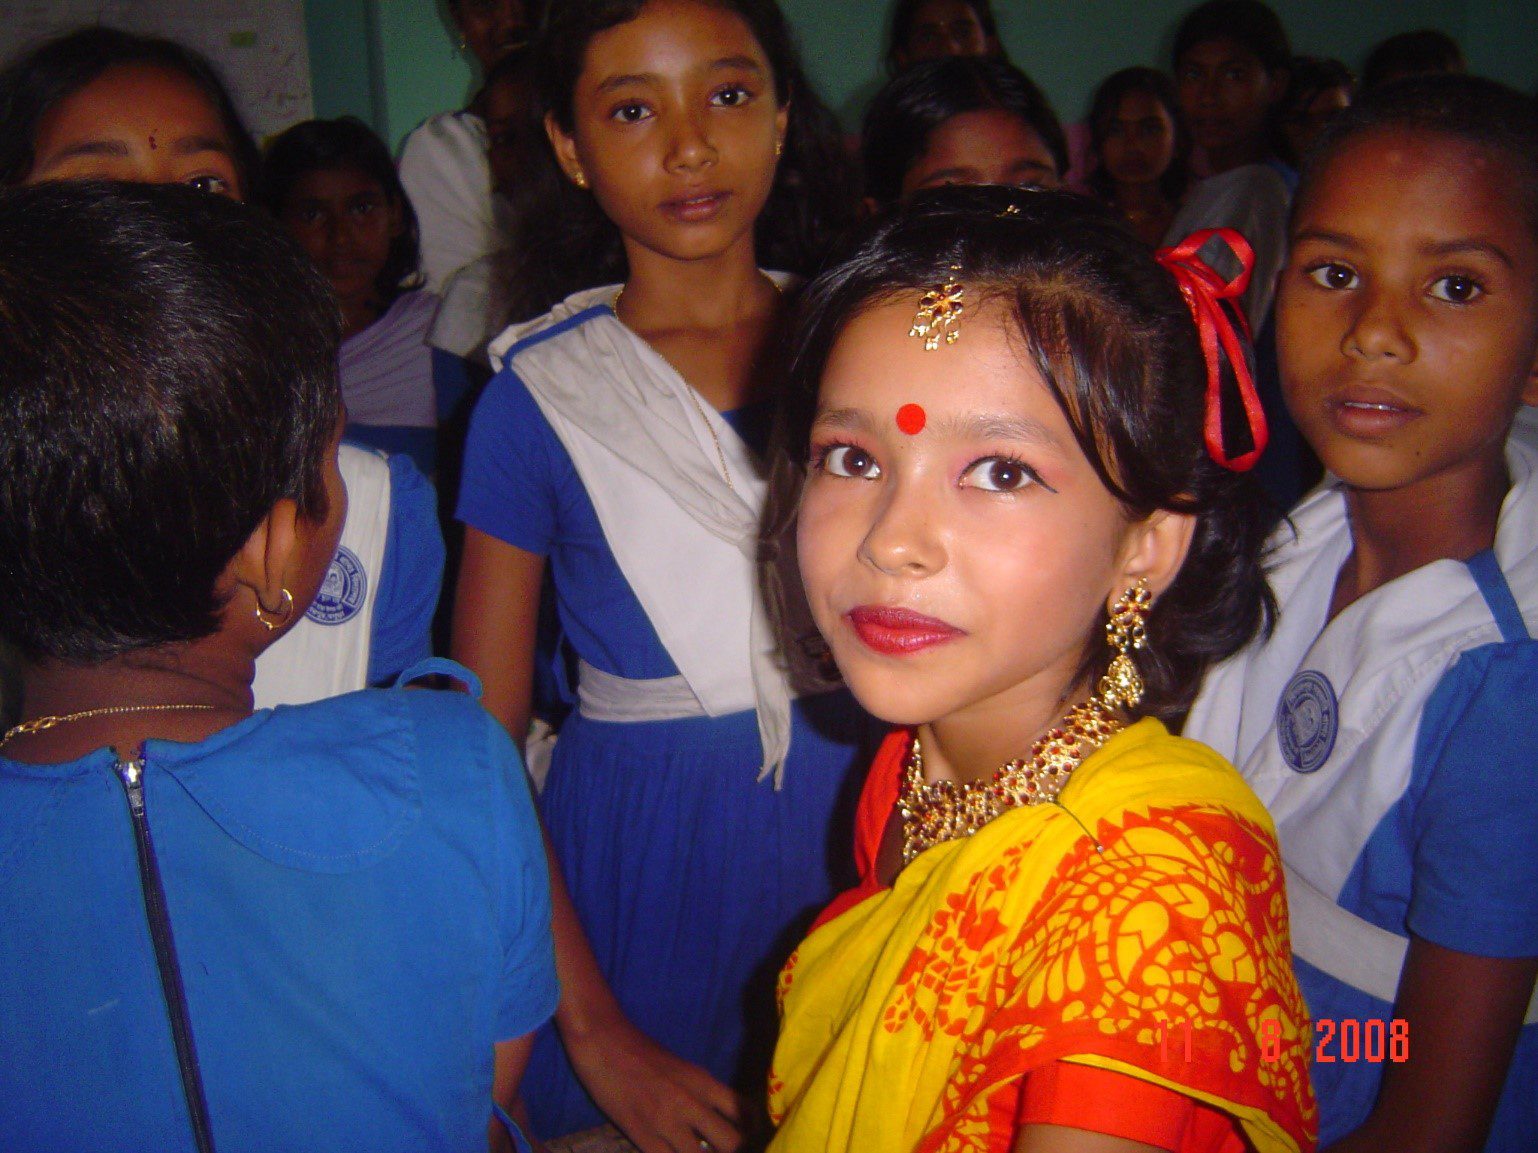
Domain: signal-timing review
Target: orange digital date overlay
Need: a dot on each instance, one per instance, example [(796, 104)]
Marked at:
[(1346, 1040)]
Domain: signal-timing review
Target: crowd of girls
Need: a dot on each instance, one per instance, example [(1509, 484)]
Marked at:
[(867, 570)]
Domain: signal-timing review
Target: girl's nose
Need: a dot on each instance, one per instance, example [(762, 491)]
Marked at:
[(1378, 329), (690, 147), (903, 539)]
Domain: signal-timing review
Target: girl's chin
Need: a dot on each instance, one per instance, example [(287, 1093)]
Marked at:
[(899, 709)]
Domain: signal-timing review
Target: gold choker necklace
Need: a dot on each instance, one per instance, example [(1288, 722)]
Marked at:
[(940, 811)]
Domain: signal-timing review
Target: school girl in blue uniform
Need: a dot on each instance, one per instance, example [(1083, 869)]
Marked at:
[(1388, 722), (692, 797)]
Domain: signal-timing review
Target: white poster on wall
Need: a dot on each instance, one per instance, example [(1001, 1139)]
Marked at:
[(259, 46)]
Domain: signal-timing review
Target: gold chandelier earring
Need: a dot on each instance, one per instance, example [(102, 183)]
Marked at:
[(1126, 631)]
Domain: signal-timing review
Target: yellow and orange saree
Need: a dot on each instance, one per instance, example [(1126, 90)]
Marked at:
[(1138, 926)]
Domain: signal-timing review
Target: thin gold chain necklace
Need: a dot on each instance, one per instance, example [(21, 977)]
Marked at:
[(934, 812), (43, 724), (694, 396)]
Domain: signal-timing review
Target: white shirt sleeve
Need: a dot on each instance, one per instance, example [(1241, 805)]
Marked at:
[(448, 178)]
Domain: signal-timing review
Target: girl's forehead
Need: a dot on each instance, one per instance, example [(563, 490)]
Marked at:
[(672, 34), (164, 88), (1418, 180), (881, 360), (336, 180)]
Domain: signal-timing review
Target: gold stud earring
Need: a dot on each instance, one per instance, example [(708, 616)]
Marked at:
[(579, 178), (939, 313), (779, 148), (1126, 631), (279, 615)]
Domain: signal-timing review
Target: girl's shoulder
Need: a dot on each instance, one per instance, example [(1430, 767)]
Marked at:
[(1146, 769), (445, 133), (575, 310)]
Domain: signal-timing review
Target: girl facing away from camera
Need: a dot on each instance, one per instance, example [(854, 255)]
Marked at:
[(317, 927), (692, 794), (102, 104), (1388, 723), (1070, 931)]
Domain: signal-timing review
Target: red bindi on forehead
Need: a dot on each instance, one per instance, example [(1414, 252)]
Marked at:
[(911, 418)]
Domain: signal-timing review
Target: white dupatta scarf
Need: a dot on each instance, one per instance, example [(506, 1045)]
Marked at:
[(685, 541)]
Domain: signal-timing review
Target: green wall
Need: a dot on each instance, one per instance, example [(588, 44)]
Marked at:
[(393, 62)]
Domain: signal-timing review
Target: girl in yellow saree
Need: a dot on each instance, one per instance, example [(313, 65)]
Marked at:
[(1071, 933)]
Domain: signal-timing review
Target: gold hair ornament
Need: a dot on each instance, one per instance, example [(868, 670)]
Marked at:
[(939, 313)]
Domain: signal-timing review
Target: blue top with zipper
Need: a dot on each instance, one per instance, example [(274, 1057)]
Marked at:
[(357, 895)]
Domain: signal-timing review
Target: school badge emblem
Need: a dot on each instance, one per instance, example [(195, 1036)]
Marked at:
[(342, 592), (1307, 720)]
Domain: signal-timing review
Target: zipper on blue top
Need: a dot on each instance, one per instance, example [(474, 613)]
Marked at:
[(131, 774)]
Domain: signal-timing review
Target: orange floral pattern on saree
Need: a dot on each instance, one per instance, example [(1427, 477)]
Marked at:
[(1150, 942), (1163, 953)]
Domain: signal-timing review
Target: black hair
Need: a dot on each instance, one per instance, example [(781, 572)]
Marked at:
[(567, 244), (905, 12), (346, 142), (1108, 329), (918, 100), (1468, 108), (37, 81), (1108, 98), (534, 10), (1311, 75), (1246, 22), (1308, 77), (168, 373), (518, 293), (1423, 52)]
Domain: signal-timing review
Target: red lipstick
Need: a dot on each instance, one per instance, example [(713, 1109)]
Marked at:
[(898, 632)]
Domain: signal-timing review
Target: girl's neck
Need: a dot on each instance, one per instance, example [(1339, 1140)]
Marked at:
[(358, 314), (215, 678), (1139, 197), (1220, 160), (1449, 517), (663, 295), (973, 744)]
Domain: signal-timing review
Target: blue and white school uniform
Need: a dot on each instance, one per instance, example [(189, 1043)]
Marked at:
[(387, 381), (372, 618), (691, 800), (1396, 746)]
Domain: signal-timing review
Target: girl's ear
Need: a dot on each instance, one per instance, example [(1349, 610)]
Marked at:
[(257, 572), (565, 148), (781, 127), (1155, 549)]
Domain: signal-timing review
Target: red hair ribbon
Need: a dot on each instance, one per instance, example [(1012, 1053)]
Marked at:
[(1203, 288)]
